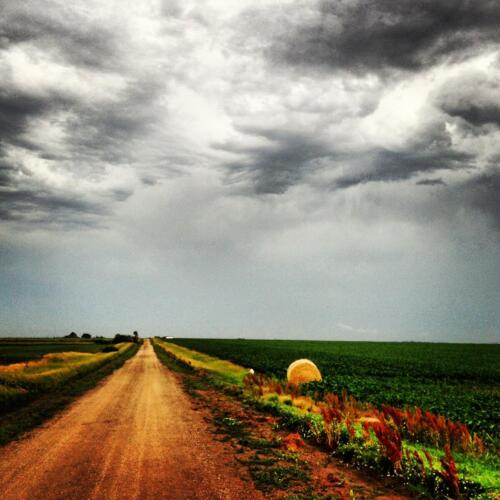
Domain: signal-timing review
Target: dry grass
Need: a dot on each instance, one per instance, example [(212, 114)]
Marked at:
[(54, 368)]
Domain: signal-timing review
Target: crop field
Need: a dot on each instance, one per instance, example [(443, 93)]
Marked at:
[(459, 381), (20, 382), (375, 407), (50, 372), (20, 350)]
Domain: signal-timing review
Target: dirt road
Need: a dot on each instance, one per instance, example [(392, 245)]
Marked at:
[(134, 436)]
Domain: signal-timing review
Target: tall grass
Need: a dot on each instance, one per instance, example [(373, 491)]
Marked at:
[(21, 382), (225, 370)]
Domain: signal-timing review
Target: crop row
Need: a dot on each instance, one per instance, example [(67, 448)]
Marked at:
[(411, 444), (457, 381)]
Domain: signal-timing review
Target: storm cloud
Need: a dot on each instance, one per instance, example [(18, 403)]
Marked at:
[(376, 35), (279, 169), (475, 98)]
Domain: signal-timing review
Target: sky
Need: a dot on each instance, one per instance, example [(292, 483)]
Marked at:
[(267, 169)]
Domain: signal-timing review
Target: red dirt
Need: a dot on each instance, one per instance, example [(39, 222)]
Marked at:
[(135, 436), (328, 476)]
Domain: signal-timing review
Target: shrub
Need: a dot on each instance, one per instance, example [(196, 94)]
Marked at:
[(109, 348), (122, 338)]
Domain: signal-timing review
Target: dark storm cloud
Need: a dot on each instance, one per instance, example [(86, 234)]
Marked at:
[(6, 173), (99, 124), (288, 158), (94, 132), (60, 31), (372, 35), (47, 205), (22, 196), (281, 163), (104, 130), (476, 114), (431, 182), (386, 165), (474, 98), (17, 108)]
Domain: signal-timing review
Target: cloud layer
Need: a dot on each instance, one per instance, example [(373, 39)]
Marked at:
[(294, 166)]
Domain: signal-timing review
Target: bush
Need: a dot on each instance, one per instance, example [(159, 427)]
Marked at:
[(102, 340), (122, 338), (110, 348)]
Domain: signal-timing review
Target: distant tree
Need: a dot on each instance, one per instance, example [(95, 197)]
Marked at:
[(122, 338), (86, 336), (109, 348), (72, 335), (136, 337)]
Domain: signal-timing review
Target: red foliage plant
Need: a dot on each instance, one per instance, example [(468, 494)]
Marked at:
[(332, 418), (390, 440), (449, 473), (389, 425), (436, 429)]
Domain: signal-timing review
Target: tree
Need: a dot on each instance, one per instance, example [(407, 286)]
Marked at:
[(72, 335), (122, 338), (86, 336)]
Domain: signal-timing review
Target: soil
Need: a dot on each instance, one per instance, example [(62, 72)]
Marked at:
[(147, 432), (135, 436), (328, 477)]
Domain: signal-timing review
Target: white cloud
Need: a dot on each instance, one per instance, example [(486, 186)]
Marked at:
[(164, 147)]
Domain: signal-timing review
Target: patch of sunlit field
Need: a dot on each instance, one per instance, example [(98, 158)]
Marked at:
[(22, 382), (230, 372), (55, 368), (17, 350), (33, 391)]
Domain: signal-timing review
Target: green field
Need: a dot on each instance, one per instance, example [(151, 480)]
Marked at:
[(21, 350), (460, 381), (44, 375)]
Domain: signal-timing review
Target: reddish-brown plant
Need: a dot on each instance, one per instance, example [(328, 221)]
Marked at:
[(449, 473)]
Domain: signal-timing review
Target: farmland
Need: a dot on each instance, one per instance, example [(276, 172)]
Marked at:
[(431, 453), (46, 375), (20, 350), (459, 381)]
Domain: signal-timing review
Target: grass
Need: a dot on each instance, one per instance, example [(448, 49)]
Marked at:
[(481, 469), (22, 350), (225, 370), (459, 381), (30, 396), (54, 369), (485, 471), (169, 360)]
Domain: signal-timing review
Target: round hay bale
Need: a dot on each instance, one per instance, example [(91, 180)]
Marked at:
[(302, 371)]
